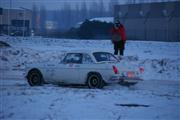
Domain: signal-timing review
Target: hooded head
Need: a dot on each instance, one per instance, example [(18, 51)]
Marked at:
[(117, 23)]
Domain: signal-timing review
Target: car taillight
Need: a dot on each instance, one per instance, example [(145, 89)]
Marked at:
[(115, 69), (141, 69)]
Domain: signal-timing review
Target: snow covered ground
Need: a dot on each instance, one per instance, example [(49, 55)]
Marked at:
[(161, 60), (157, 97), (148, 100)]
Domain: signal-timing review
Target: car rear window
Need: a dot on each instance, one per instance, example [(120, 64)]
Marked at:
[(104, 56)]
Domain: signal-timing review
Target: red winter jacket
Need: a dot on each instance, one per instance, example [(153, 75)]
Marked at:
[(121, 31)]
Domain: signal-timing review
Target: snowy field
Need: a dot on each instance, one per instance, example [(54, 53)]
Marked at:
[(157, 97)]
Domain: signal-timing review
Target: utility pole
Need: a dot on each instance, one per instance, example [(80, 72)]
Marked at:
[(23, 22), (24, 16), (9, 16)]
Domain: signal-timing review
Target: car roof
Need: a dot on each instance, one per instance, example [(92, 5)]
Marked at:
[(86, 51), (90, 52)]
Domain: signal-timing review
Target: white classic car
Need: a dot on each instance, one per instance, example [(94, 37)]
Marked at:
[(94, 69)]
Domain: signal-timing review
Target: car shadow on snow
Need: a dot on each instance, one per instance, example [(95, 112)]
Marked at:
[(107, 86), (73, 86)]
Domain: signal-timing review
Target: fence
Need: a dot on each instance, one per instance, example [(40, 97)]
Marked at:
[(150, 21)]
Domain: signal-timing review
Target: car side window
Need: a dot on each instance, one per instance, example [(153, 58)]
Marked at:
[(87, 59), (73, 58)]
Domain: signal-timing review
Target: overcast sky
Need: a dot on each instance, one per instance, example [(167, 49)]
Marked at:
[(57, 4), (49, 4)]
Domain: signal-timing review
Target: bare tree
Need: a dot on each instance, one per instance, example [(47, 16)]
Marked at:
[(76, 15), (42, 19), (84, 11), (101, 9), (111, 6), (34, 17), (94, 10)]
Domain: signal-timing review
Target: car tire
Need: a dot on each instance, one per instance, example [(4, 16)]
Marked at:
[(35, 78), (95, 81)]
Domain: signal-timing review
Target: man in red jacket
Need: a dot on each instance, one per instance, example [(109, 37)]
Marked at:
[(118, 37)]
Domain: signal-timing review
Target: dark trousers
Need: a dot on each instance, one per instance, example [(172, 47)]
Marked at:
[(119, 47)]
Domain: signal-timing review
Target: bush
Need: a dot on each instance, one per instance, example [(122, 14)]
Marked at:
[(94, 30), (87, 30)]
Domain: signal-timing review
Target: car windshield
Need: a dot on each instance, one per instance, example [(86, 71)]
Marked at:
[(104, 56)]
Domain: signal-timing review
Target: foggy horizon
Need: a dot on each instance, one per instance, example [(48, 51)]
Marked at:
[(59, 4), (53, 4)]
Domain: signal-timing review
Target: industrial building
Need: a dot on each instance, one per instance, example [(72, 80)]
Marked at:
[(150, 21), (16, 22)]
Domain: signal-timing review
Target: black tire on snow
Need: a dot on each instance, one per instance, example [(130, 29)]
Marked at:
[(35, 78), (95, 81)]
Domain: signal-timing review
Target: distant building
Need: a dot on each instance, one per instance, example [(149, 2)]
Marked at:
[(15, 21), (150, 21), (51, 25)]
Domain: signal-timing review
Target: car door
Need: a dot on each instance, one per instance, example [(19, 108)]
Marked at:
[(68, 70), (48, 70), (86, 66)]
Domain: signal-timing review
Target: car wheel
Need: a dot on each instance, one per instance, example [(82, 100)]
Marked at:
[(35, 78), (95, 81)]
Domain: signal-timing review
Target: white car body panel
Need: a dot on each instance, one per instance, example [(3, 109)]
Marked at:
[(75, 73)]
